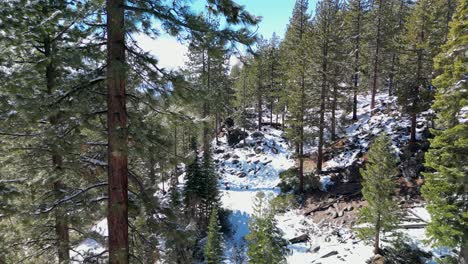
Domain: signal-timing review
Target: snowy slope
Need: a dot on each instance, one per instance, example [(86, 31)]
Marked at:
[(247, 170), (260, 172)]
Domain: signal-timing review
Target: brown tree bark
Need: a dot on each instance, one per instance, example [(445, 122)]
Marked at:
[(322, 104), (259, 105), (117, 134), (377, 236), (356, 61), (375, 75)]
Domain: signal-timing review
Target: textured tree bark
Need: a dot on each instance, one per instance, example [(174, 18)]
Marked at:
[(259, 105), (463, 255), (333, 113), (117, 135), (376, 56), (322, 107), (356, 61), (61, 227), (377, 236)]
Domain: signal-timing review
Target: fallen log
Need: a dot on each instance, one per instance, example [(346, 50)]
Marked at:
[(329, 254), (412, 226), (299, 239)]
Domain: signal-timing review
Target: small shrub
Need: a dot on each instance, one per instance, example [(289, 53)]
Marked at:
[(290, 181), (283, 203)]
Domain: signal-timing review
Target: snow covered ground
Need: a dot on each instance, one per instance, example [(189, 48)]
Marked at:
[(245, 170), (249, 168)]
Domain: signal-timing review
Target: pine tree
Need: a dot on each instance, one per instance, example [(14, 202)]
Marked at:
[(213, 248), (44, 77), (381, 215), (445, 187), (324, 39), (355, 17), (297, 88), (209, 192), (424, 34), (264, 241)]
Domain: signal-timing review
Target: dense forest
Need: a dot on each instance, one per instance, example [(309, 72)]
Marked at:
[(343, 141)]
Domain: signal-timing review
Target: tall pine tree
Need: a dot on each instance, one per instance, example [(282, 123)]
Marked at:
[(445, 189)]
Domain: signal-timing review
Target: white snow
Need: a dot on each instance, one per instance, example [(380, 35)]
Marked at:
[(261, 174), (324, 238)]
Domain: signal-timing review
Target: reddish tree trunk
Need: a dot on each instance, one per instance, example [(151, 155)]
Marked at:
[(117, 134)]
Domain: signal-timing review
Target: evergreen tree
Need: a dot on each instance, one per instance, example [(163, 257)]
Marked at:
[(296, 64), (424, 34), (213, 248), (48, 75), (381, 214), (445, 187), (355, 18), (324, 40), (381, 16), (264, 241), (209, 192)]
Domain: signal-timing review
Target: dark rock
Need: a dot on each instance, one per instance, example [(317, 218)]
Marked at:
[(235, 156), (257, 134), (274, 151), (258, 150), (352, 173), (229, 122), (226, 156), (299, 239), (218, 151), (235, 161), (235, 136), (265, 163), (315, 249), (242, 175)]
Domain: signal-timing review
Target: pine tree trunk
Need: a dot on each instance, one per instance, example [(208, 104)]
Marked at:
[(463, 255), (216, 127), (356, 61), (175, 179), (333, 113), (322, 106), (376, 56), (259, 113), (117, 134), (271, 113), (377, 236), (282, 119), (413, 129), (61, 219), (301, 133), (61, 227)]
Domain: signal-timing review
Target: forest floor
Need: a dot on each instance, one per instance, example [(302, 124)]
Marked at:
[(328, 216)]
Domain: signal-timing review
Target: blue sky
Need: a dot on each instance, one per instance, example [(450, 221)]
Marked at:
[(275, 17)]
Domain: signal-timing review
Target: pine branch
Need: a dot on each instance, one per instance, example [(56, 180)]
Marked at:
[(68, 198)]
